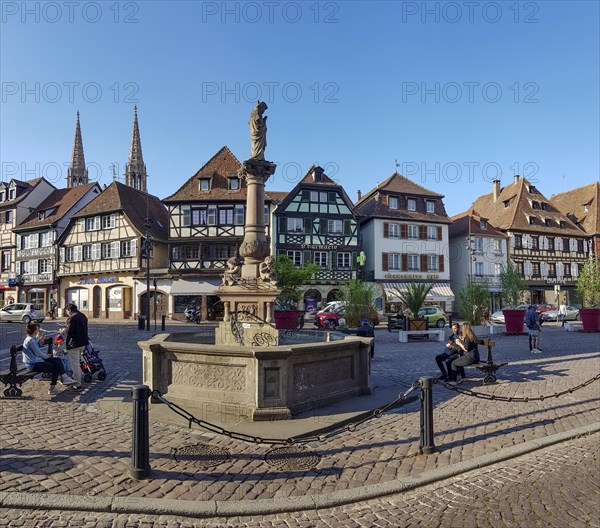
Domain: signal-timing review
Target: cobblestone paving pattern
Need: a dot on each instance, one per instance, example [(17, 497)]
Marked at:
[(556, 487)]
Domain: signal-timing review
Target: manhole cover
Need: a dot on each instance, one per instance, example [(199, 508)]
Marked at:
[(292, 458), (200, 455)]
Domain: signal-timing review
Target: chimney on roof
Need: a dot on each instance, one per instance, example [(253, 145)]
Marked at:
[(496, 189), (358, 193), (517, 178), (318, 174)]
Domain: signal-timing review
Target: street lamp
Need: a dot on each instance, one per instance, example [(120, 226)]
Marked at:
[(147, 248)]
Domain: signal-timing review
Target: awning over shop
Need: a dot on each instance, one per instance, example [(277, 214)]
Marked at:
[(440, 291), (191, 287)]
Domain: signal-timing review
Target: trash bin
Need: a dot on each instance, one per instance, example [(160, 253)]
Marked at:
[(141, 322)]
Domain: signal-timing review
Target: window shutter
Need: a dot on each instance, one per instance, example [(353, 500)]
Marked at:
[(573, 245), (574, 269), (512, 241), (439, 230), (384, 262), (307, 226), (331, 196), (323, 226), (334, 262), (347, 227), (544, 269), (560, 269), (424, 263), (422, 232), (404, 258), (282, 224), (441, 263), (353, 257), (403, 231), (527, 268), (386, 229)]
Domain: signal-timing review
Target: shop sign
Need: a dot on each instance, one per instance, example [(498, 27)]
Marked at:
[(319, 246), (555, 281), (99, 280)]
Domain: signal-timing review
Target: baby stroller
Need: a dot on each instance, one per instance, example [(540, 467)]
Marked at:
[(91, 363)]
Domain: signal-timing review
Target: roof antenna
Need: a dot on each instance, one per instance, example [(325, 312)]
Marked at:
[(397, 165), (113, 168)]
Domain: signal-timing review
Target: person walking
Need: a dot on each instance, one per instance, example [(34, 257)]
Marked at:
[(76, 338), (532, 321), (36, 361), (468, 344), (366, 330), (452, 352), (562, 313)]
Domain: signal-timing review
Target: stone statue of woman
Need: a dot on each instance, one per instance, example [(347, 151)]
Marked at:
[(258, 131)]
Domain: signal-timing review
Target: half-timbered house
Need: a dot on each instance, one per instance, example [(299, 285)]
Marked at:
[(404, 227), (206, 227), (37, 253), (582, 206), (316, 223), (102, 265), (548, 249), (17, 200)]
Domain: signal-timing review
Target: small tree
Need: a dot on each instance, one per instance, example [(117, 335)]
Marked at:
[(513, 285), (588, 283), (290, 279), (473, 300), (414, 296), (360, 299)]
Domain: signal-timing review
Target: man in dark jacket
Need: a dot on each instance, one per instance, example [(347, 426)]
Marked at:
[(76, 338), (365, 330)]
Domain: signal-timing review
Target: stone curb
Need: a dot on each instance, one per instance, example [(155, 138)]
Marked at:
[(211, 509)]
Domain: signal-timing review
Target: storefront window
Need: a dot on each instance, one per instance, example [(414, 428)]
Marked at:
[(183, 301), (115, 299)]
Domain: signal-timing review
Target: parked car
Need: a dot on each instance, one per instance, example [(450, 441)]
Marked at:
[(435, 315), (498, 317), (330, 319), (21, 313), (552, 315), (332, 306)]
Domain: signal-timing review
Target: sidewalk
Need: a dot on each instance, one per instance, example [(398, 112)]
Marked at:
[(72, 451)]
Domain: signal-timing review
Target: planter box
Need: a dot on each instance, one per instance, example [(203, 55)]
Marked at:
[(590, 317), (514, 320), (289, 320)]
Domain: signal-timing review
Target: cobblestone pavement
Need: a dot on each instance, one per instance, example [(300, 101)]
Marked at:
[(555, 487), (68, 445)]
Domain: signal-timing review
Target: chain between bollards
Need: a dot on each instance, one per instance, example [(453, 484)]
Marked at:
[(140, 433), (426, 446)]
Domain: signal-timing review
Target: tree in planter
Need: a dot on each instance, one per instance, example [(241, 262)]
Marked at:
[(359, 297), (513, 285), (290, 279), (473, 300), (414, 296), (588, 283)]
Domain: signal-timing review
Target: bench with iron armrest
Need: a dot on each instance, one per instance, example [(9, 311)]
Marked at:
[(17, 376), (489, 367)]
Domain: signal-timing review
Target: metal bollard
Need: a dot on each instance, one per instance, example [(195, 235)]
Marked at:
[(163, 321), (140, 448), (426, 446)]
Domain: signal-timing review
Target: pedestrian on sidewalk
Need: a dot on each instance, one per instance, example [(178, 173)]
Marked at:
[(37, 361), (532, 321), (452, 352), (76, 338), (562, 313), (468, 344)]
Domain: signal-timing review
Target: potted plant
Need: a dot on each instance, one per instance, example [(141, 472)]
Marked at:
[(588, 288), (290, 280), (513, 290), (359, 299), (473, 300), (414, 297)]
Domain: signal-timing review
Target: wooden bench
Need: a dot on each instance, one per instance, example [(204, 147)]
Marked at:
[(489, 367), (405, 334), (17, 376)]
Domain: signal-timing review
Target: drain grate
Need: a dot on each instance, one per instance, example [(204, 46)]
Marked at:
[(292, 458), (201, 455)]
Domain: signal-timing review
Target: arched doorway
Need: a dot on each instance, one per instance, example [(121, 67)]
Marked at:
[(333, 295), (159, 304), (97, 302), (312, 298)]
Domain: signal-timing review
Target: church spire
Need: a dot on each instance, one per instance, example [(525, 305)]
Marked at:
[(135, 169), (77, 173)]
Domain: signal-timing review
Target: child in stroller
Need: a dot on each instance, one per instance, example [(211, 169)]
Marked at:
[(91, 363)]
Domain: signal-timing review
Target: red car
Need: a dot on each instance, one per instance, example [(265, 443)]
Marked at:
[(330, 319)]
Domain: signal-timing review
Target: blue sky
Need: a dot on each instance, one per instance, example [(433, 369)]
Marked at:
[(457, 93)]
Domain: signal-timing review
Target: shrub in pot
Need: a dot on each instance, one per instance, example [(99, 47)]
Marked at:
[(588, 288), (414, 298), (513, 291), (473, 302)]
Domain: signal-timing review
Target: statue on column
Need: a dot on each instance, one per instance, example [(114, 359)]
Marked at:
[(258, 131), (266, 271), (232, 274)]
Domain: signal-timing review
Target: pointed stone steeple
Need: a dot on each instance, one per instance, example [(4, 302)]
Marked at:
[(135, 169), (77, 173)]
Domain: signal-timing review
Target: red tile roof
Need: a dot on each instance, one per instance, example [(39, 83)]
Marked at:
[(460, 226), (572, 204)]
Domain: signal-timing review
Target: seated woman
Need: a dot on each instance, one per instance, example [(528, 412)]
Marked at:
[(36, 361), (468, 344)]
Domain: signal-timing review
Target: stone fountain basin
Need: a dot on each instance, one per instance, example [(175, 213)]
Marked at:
[(257, 383)]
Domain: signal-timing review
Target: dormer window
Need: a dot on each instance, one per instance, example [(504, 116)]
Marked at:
[(234, 184), (535, 205), (562, 224), (483, 224), (205, 184), (544, 206), (393, 202), (430, 206), (531, 189), (2, 195), (548, 222), (411, 204), (12, 193), (586, 207), (532, 220), (506, 204)]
